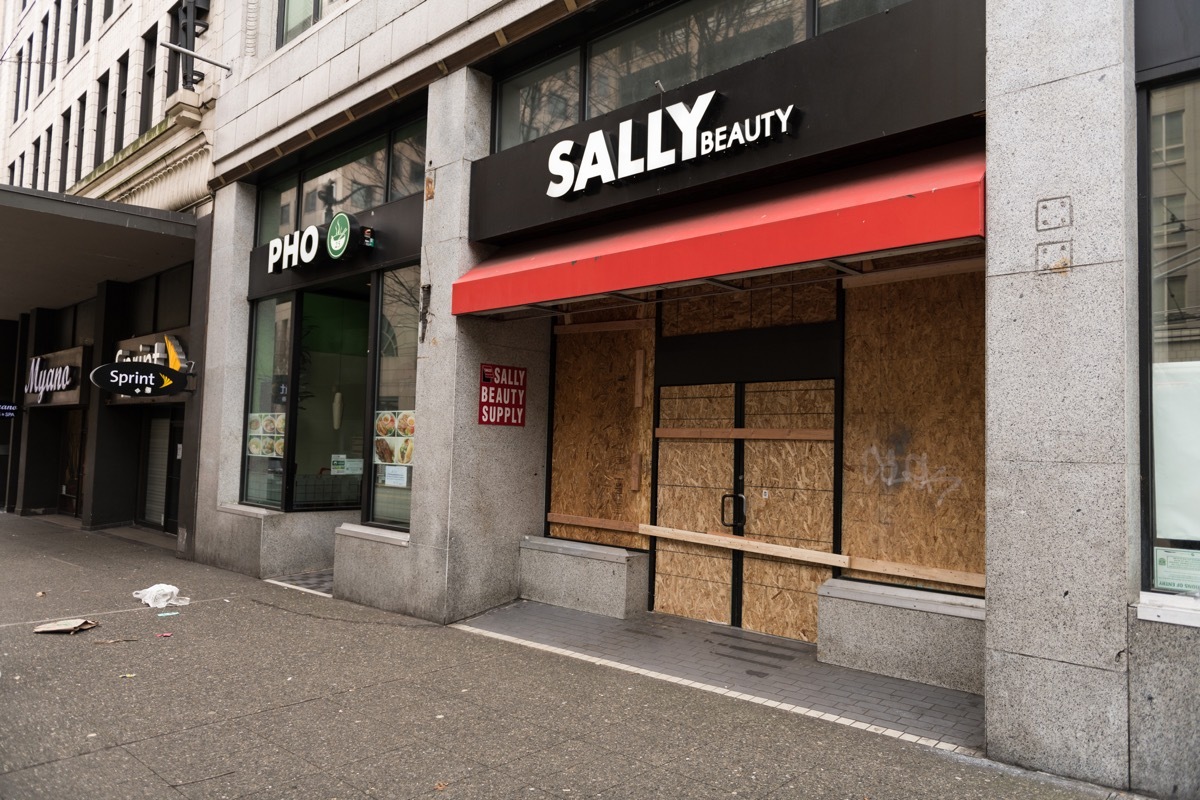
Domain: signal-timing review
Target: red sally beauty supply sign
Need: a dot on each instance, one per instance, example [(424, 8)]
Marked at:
[(501, 395)]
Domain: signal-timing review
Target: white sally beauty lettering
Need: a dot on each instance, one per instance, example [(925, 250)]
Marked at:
[(574, 169), (40, 381)]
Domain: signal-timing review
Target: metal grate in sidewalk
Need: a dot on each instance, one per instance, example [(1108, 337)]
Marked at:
[(765, 669), (319, 582)]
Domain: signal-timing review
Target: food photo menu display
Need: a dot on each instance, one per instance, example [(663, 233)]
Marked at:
[(394, 432), (264, 435)]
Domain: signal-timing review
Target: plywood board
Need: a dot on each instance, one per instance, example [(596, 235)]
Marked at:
[(780, 612), (764, 301), (693, 580), (601, 428), (913, 480)]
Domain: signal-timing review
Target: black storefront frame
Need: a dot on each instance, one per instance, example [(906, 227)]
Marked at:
[(370, 394), (1150, 538), (1167, 47)]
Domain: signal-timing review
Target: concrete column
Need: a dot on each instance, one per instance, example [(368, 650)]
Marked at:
[(1062, 385), (477, 489), (227, 331)]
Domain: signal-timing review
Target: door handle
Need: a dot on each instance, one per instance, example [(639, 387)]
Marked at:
[(725, 497), (737, 519)]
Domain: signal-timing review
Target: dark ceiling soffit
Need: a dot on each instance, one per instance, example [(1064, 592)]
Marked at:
[(474, 52), (119, 215)]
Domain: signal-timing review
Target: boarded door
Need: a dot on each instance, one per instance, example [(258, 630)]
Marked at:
[(755, 460)]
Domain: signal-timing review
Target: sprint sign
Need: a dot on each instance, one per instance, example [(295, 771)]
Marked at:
[(501, 395)]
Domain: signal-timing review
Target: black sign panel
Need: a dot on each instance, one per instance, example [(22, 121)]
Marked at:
[(139, 379), (396, 241), (909, 79)]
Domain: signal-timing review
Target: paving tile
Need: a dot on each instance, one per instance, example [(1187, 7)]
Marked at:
[(320, 786), (728, 658), (107, 773)]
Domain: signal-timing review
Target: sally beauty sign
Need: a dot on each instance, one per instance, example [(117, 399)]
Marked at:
[(671, 135)]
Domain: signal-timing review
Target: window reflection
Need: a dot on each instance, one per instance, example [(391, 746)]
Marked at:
[(686, 43), (266, 419), (836, 13), (1174, 233), (353, 181), (395, 448), (543, 100)]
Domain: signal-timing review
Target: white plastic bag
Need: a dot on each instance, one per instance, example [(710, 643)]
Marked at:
[(161, 595)]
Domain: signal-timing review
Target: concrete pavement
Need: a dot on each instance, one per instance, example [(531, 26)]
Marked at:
[(267, 692)]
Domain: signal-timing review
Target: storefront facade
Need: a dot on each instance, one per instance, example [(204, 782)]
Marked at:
[(716, 293), (101, 457)]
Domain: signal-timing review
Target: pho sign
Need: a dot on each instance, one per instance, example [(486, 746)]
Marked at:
[(54, 379)]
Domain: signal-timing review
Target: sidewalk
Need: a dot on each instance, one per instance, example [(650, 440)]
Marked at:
[(266, 692)]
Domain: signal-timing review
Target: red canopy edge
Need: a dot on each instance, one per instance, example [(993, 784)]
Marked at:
[(932, 201)]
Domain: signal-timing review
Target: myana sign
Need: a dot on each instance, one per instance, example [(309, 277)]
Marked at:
[(53, 379), (673, 135), (343, 236), (152, 366)]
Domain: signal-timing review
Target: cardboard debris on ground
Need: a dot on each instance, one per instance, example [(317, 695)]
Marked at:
[(68, 626)]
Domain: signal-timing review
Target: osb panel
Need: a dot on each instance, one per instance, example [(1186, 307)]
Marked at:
[(913, 481), (631, 541), (789, 464), (790, 515), (780, 574), (688, 597), (769, 301), (684, 463), (686, 560), (709, 406), (690, 508), (598, 431), (780, 612), (604, 312)]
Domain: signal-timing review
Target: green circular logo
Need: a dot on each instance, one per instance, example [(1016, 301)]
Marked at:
[(338, 238)]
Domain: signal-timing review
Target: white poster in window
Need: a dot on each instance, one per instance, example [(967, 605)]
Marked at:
[(1177, 450), (395, 476), (1176, 570), (337, 465)]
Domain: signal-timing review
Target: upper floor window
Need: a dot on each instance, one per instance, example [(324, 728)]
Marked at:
[(297, 16), (1166, 138)]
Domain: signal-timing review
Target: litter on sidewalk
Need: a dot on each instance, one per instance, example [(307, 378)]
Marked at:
[(161, 595), (68, 626)]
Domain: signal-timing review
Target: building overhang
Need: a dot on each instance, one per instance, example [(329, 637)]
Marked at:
[(57, 247)]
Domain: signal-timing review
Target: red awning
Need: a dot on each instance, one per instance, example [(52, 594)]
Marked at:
[(900, 203)]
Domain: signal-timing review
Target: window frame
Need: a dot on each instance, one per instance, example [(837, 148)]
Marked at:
[(1149, 303), (281, 38)]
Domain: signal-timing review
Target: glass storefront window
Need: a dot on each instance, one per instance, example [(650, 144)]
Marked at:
[(407, 169), (836, 13), (681, 44), (331, 396), (266, 419), (686, 43), (1174, 299), (276, 209), (352, 181), (539, 101), (395, 421)]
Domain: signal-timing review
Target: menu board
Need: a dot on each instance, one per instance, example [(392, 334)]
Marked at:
[(264, 435), (394, 433)]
